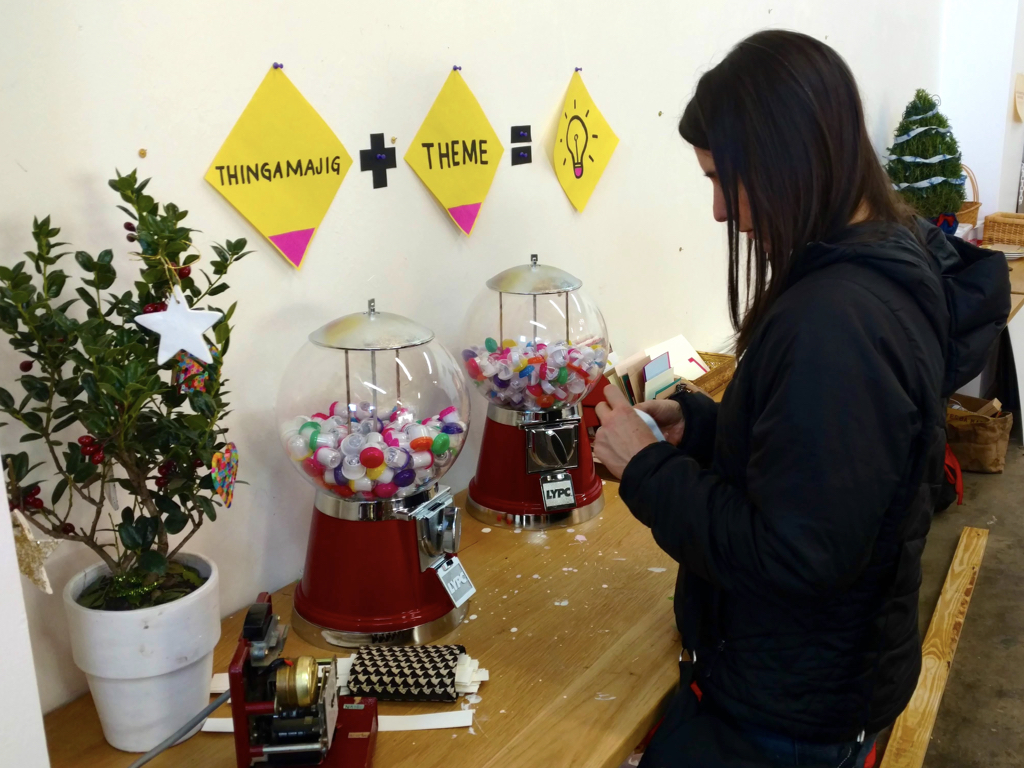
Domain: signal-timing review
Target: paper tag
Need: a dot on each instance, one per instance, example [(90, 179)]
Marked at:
[(557, 492), (456, 580)]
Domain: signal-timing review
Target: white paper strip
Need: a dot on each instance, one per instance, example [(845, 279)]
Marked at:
[(219, 684), (463, 718)]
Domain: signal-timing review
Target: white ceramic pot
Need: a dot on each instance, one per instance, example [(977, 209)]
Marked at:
[(149, 670)]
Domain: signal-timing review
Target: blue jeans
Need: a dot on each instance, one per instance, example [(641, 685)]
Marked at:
[(785, 751)]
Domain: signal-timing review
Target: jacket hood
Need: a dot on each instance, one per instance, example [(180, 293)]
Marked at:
[(963, 290)]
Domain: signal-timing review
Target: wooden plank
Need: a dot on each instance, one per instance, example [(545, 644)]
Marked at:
[(913, 730), (1017, 276), (575, 685), (1016, 302)]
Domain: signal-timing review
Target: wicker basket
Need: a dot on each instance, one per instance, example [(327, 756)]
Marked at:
[(968, 213), (1003, 229)]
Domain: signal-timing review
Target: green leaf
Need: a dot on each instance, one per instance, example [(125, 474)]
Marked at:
[(35, 387), (6, 398), (203, 403), (166, 504), (30, 437), (191, 575), (206, 506), (127, 516), (153, 562), (105, 257), (85, 261), (65, 424), (175, 522), (58, 491), (147, 527), (55, 284), (20, 461), (218, 289), (33, 420), (130, 537)]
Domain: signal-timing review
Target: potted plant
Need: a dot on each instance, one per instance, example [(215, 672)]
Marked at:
[(113, 419)]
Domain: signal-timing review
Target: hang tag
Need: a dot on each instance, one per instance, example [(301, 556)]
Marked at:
[(557, 492), (455, 580)]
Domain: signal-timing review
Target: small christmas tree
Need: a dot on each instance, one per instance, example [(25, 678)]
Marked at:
[(932, 186)]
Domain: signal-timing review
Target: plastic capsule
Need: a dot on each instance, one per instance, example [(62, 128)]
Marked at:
[(490, 344), (312, 467), (371, 457), (440, 444), (374, 473), (328, 439), (420, 437), (449, 415), (329, 477), (422, 460), (352, 468), (328, 457), (396, 458), (404, 477), (361, 484), (364, 410), (353, 444), (385, 490), (297, 447)]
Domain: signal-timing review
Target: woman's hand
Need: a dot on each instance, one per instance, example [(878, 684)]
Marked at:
[(622, 435), (668, 415)]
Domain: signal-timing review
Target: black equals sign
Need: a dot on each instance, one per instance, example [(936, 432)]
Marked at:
[(521, 135)]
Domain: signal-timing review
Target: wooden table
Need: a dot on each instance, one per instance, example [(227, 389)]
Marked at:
[(573, 686)]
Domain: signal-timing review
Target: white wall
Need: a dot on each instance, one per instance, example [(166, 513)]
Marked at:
[(22, 741), (84, 85), (1013, 140)]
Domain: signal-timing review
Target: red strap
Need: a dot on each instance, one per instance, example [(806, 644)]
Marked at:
[(953, 474), (869, 761), (696, 690)]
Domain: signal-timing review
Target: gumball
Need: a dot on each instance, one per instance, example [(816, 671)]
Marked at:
[(371, 457), (404, 477), (385, 490), (440, 444)]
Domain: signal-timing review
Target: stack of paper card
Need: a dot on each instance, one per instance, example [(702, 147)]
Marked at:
[(657, 371)]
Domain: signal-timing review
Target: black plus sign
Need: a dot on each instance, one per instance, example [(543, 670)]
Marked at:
[(378, 159)]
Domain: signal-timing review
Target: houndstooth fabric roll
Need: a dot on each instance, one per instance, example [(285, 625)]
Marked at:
[(415, 673)]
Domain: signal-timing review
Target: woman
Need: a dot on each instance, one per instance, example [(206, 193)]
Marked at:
[(798, 509)]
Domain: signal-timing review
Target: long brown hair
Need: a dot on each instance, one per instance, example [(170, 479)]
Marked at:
[(782, 116)]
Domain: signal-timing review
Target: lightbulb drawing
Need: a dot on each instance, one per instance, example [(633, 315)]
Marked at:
[(572, 142), (585, 140), (574, 132)]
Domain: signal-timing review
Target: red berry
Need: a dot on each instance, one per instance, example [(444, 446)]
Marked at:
[(33, 493), (12, 503), (167, 468), (89, 449), (86, 440), (97, 458), (26, 366), (67, 529), (161, 306), (131, 238), (34, 503), (150, 309), (129, 226), (198, 463), (184, 272), (161, 482)]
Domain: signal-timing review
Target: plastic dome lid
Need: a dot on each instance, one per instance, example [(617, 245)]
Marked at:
[(534, 279), (371, 330)]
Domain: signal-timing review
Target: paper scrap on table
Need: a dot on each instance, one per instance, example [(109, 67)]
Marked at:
[(281, 166), (584, 143), (456, 152), (686, 361), (462, 718)]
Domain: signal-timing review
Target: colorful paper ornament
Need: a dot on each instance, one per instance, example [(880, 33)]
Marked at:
[(584, 143), (456, 152), (32, 552), (180, 328), (281, 166), (225, 470), (186, 366)]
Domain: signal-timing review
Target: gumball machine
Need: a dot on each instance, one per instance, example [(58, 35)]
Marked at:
[(535, 347), (373, 412)]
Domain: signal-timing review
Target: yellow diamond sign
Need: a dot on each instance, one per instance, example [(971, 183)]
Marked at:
[(584, 144), (456, 152), (281, 166)]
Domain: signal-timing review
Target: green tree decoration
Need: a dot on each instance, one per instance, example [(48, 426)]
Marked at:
[(924, 160), (90, 372)]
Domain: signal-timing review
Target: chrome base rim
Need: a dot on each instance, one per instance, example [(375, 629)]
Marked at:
[(537, 522), (329, 639)]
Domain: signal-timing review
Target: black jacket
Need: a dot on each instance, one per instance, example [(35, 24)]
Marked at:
[(798, 509)]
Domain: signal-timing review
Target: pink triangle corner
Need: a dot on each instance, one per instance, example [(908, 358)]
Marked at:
[(293, 244), (465, 216)]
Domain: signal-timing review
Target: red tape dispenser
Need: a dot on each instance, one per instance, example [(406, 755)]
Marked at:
[(287, 711)]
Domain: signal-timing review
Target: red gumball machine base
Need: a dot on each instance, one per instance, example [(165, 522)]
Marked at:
[(382, 573), (536, 470)]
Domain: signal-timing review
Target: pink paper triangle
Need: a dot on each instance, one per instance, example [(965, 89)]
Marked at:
[(293, 244), (465, 215)]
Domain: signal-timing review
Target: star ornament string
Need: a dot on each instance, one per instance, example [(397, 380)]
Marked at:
[(180, 328)]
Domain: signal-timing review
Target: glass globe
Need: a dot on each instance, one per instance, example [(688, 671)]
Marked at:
[(534, 341), (371, 408)]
